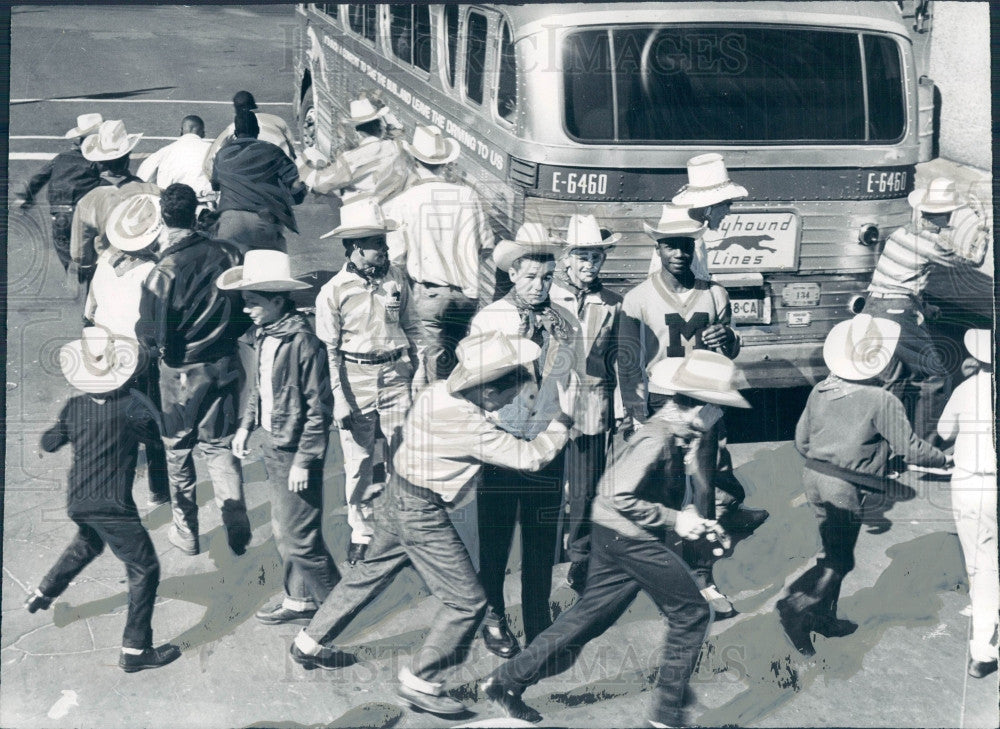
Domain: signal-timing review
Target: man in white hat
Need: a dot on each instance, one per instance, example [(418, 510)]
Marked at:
[(636, 512), (289, 399), (104, 426), (507, 497), (273, 129), (110, 147), (69, 176), (134, 227), (448, 436), (365, 316), (444, 238), (578, 289), (847, 431), (182, 161), (920, 377), (192, 327), (969, 419)]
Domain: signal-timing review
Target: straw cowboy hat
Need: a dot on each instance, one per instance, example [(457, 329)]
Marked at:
[(362, 111), (99, 361), (361, 217), (708, 183), (111, 141), (979, 342), (135, 222), (585, 232), (860, 348), (485, 357), (673, 221), (262, 270), (532, 239), (703, 374), (940, 196), (431, 146), (85, 124)]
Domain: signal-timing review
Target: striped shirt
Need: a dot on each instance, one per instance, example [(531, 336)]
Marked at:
[(445, 235), (446, 439), (905, 263)]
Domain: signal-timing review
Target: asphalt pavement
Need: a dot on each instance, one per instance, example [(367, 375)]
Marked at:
[(151, 66)]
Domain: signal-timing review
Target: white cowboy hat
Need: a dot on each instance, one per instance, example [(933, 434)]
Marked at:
[(674, 220), (532, 239), (940, 196), (979, 342), (262, 270), (85, 124), (860, 348), (431, 146), (708, 183), (585, 232), (361, 217), (362, 111), (111, 141), (485, 357), (135, 222), (703, 374), (99, 361)]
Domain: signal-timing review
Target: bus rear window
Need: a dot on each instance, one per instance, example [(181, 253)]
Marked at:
[(731, 85)]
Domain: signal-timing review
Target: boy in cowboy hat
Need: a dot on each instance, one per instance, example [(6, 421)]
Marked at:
[(110, 147), (846, 433), (448, 436), (134, 227), (442, 242), (920, 377), (365, 316), (636, 511), (69, 176), (273, 129), (507, 497), (968, 419), (597, 311), (105, 425), (289, 398), (258, 185)]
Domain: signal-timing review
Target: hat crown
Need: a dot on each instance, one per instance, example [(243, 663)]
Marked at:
[(140, 214), (979, 342), (364, 212), (860, 348), (941, 191), (361, 108), (98, 349), (112, 135), (706, 370), (494, 351), (429, 141), (532, 233), (261, 264), (87, 123), (675, 216), (583, 230), (707, 170)]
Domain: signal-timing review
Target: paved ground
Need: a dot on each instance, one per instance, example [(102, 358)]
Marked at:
[(904, 666)]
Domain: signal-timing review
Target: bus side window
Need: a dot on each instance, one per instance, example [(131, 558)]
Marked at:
[(507, 79), (410, 34), (363, 19), (451, 40), (475, 57)]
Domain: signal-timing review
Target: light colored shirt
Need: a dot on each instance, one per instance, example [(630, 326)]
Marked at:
[(969, 419), (113, 300), (181, 162), (273, 129), (906, 260), (446, 439), (445, 234), (91, 216), (268, 348), (375, 167)]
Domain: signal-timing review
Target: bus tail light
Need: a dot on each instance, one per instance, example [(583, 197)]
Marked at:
[(868, 234)]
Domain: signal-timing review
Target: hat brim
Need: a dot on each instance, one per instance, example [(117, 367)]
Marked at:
[(90, 151), (979, 343), (916, 200), (669, 386), (232, 280), (605, 244), (700, 197), (134, 243), (508, 251), (71, 362), (462, 378), (363, 232), (454, 149), (851, 368), (693, 230), (358, 120)]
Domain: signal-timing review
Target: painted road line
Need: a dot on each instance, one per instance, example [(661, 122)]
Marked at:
[(59, 136), (84, 100), (21, 156)]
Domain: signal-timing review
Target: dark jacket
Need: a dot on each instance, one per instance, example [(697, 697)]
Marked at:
[(183, 315), (258, 177), (303, 401), (69, 177), (105, 438)]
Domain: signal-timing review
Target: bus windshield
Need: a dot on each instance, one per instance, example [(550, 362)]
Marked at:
[(732, 85)]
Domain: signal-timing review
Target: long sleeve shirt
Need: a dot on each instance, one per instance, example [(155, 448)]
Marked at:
[(969, 420), (375, 167), (181, 162), (69, 176), (116, 290), (446, 439), (91, 216), (258, 177), (273, 129)]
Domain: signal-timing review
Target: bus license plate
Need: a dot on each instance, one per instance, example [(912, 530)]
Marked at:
[(750, 311), (800, 294)]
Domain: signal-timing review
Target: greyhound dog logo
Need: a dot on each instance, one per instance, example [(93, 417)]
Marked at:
[(747, 242)]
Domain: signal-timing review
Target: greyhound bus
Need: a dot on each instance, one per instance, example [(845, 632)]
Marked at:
[(564, 108)]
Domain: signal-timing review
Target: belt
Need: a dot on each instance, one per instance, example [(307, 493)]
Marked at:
[(419, 491), (429, 285), (372, 359), (884, 295)]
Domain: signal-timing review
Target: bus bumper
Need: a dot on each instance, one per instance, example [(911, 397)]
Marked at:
[(780, 365)]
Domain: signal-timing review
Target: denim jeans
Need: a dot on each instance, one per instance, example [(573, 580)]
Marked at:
[(62, 224), (586, 457), (412, 527), (445, 313), (129, 541), (297, 526), (247, 230), (619, 567)]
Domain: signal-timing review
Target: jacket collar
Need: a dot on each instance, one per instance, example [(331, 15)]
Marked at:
[(287, 326)]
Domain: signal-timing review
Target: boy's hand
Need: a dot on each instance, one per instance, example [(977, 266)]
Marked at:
[(689, 524), (342, 414), (239, 446), (717, 335), (298, 479)]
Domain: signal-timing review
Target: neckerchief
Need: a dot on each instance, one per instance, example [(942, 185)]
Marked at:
[(372, 277), (276, 327), (593, 287), (536, 318), (123, 262)]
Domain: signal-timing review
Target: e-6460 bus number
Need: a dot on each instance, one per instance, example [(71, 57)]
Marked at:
[(580, 183)]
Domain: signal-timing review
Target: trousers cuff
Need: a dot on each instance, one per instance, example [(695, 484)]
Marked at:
[(298, 604), (407, 678), (305, 643)]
